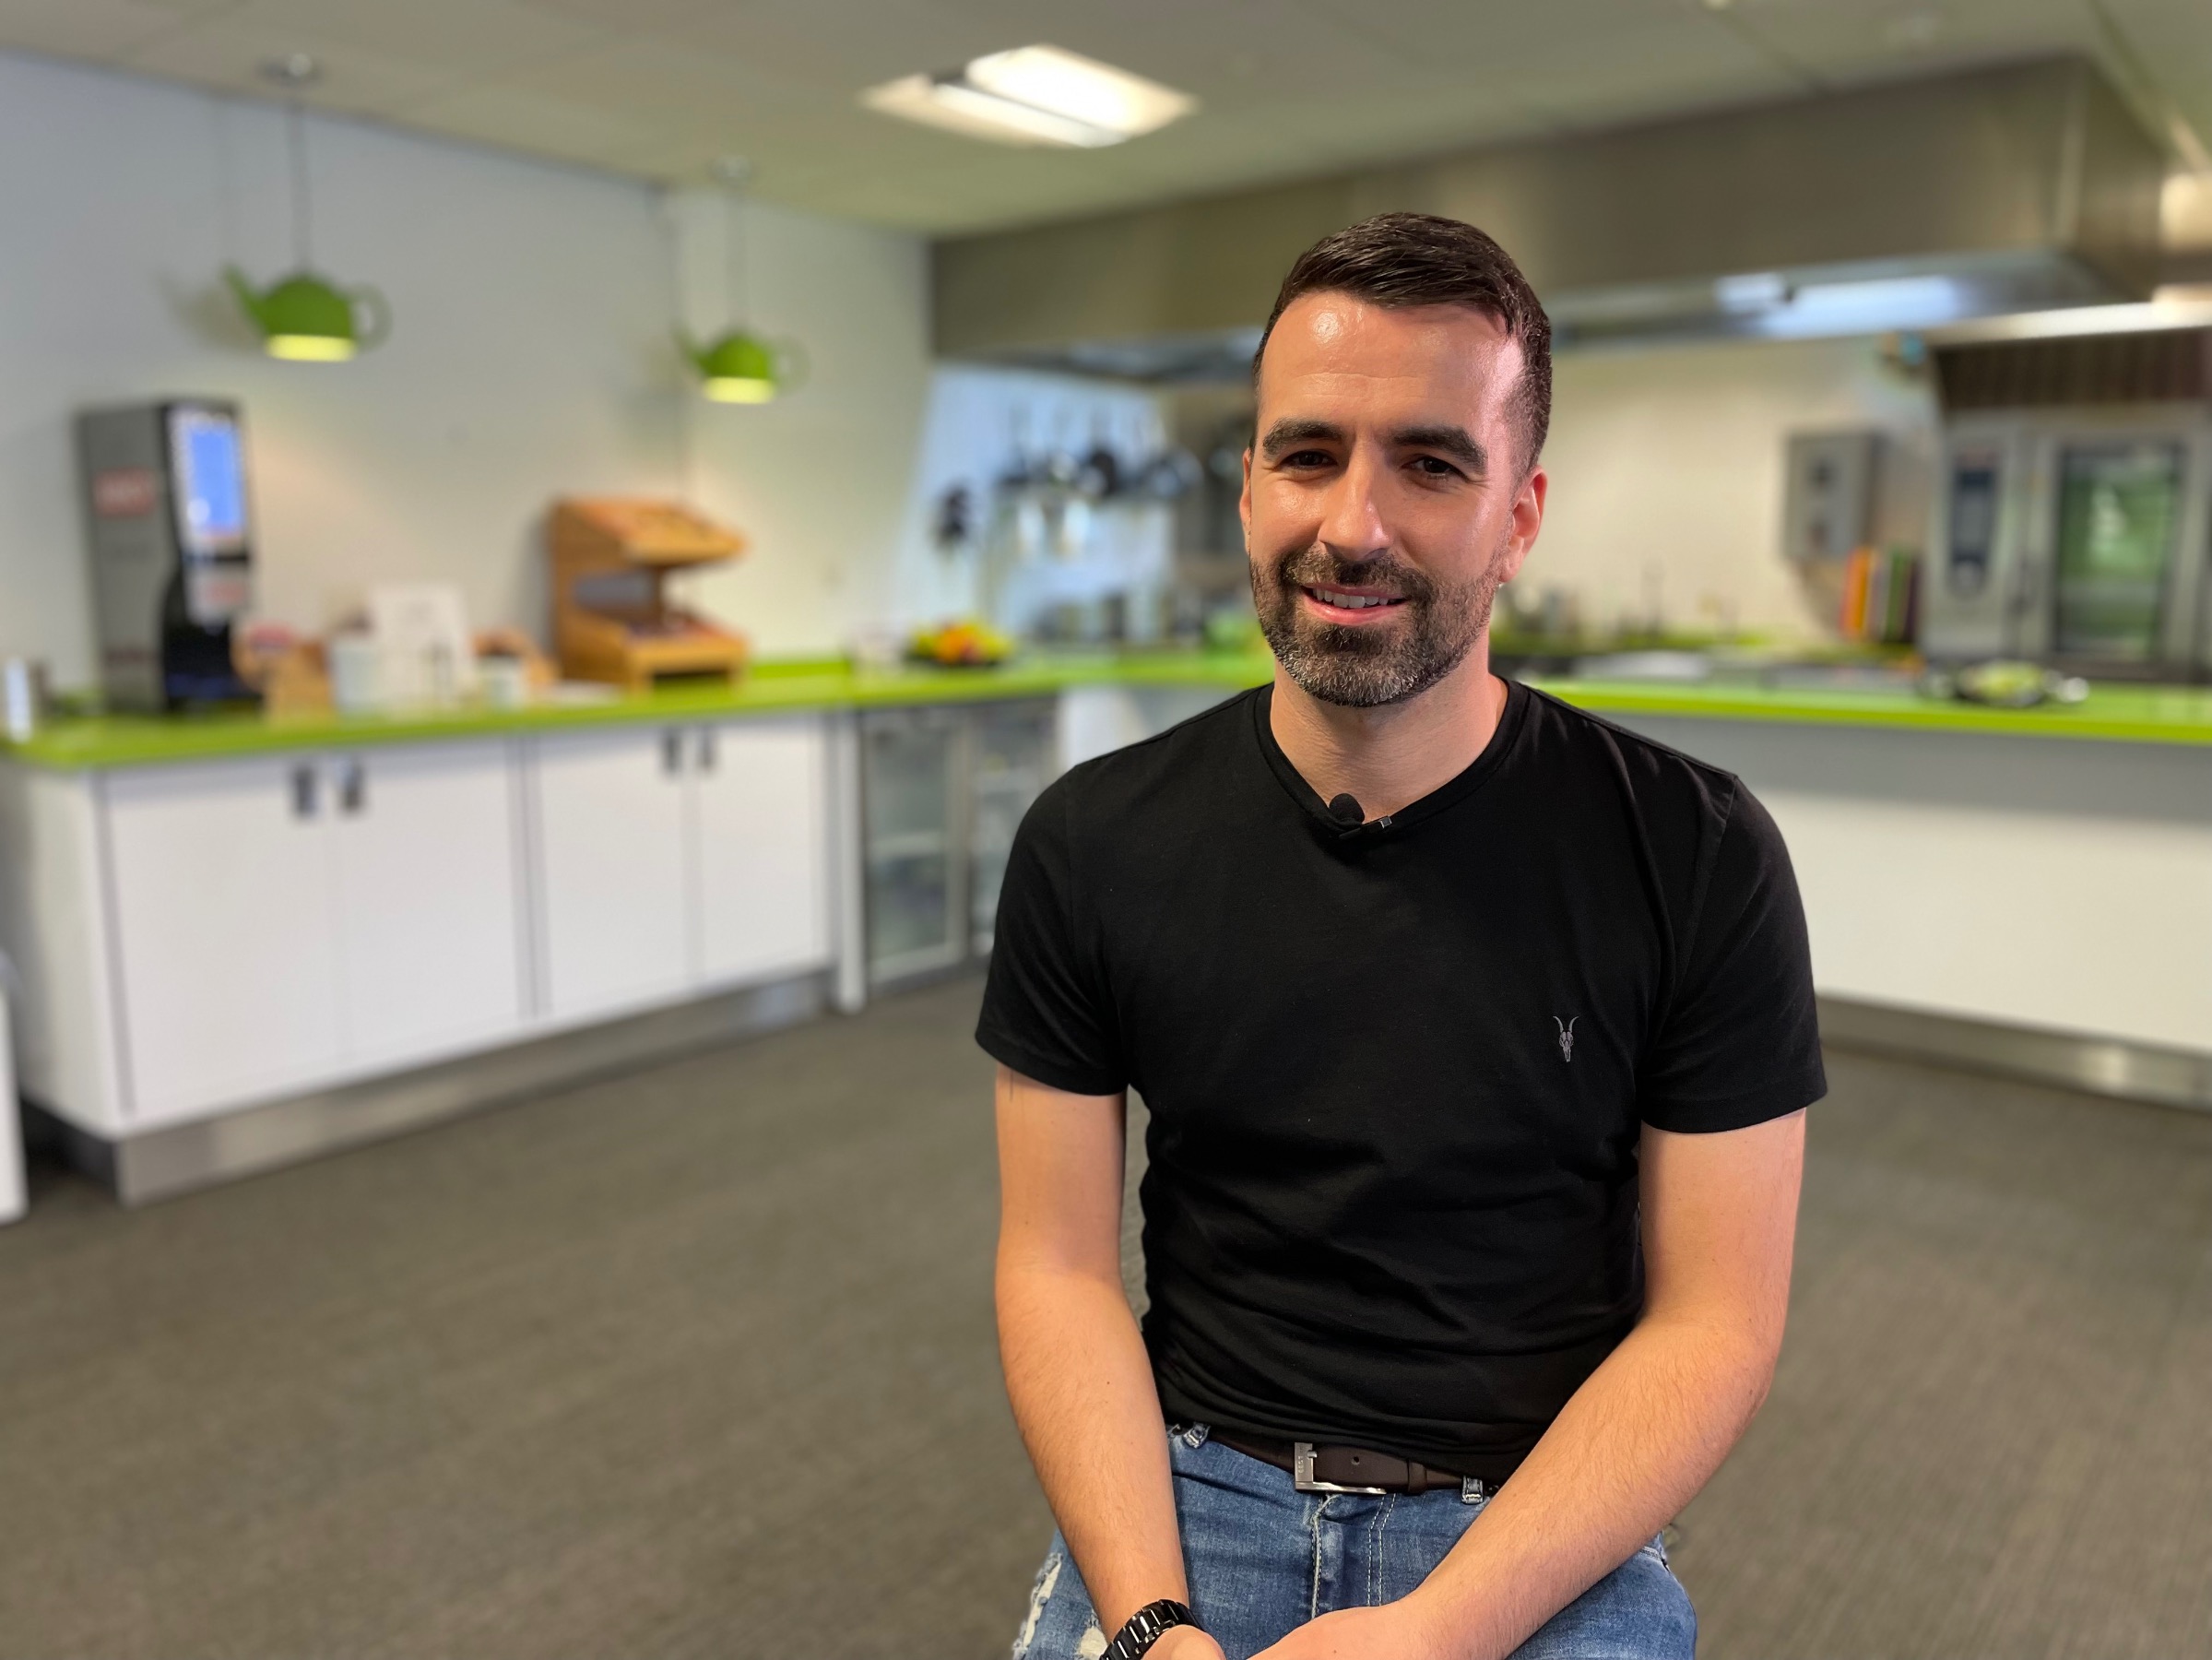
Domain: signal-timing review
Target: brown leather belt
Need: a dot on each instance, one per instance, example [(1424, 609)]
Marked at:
[(1315, 1469)]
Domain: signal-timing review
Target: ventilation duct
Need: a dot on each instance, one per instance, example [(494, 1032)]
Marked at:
[(2025, 187), (2172, 365)]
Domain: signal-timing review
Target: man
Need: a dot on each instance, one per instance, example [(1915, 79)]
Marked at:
[(1476, 1035)]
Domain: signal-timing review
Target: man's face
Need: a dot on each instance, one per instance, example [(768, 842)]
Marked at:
[(1383, 498)]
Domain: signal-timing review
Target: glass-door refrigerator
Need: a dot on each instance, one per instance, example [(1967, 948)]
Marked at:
[(943, 790)]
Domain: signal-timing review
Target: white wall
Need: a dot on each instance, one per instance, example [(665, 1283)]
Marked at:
[(532, 357), (1672, 457), (822, 481)]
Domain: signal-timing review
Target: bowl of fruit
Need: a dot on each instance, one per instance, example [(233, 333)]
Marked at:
[(963, 644)]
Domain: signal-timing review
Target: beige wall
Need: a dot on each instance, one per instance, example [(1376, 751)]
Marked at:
[(1671, 460)]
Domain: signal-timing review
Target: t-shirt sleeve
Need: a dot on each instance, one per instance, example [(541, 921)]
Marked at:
[(1045, 1012), (1740, 1043)]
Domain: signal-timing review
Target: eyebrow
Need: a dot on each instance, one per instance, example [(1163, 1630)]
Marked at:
[(1446, 440), (1287, 435)]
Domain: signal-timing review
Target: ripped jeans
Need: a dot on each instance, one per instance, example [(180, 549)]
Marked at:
[(1263, 1558)]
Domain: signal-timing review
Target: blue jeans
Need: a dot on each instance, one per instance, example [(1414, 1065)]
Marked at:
[(1263, 1558)]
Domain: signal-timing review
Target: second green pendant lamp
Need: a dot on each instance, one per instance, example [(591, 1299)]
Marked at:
[(738, 365), (305, 318)]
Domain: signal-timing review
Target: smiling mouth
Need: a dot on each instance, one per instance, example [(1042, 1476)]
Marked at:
[(1350, 599)]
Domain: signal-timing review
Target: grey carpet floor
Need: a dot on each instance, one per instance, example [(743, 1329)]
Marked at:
[(699, 1361)]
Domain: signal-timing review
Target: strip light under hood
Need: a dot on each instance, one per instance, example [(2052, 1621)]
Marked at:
[(1035, 95)]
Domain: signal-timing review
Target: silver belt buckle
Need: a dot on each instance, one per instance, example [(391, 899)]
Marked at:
[(1301, 1476)]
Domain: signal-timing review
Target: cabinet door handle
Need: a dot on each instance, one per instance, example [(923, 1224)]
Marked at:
[(672, 751), (353, 787), (305, 790), (706, 749)]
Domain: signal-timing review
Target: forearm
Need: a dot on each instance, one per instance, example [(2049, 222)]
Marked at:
[(1633, 1445), (1081, 1388)]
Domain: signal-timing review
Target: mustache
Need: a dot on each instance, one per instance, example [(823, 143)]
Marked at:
[(1318, 563)]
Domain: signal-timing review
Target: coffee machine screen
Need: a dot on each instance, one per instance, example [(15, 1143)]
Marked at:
[(207, 464), (211, 482)]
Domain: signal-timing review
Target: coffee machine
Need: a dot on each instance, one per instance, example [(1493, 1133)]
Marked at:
[(172, 551)]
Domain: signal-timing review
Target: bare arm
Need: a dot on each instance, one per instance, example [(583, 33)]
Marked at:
[(1644, 1432), (1076, 1370)]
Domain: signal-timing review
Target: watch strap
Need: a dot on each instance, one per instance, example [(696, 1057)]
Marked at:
[(1146, 1626)]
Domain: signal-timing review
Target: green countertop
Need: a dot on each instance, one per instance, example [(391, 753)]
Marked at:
[(2115, 712), (2112, 711), (136, 739)]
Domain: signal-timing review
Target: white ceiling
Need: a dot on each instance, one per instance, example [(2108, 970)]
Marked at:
[(1288, 88)]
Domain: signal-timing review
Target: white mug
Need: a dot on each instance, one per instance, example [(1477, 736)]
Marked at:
[(504, 681), (356, 673)]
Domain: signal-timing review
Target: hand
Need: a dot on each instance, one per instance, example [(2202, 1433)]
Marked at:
[(1394, 1632), (1185, 1642)]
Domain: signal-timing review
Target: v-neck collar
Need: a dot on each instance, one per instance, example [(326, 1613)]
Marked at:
[(1447, 794)]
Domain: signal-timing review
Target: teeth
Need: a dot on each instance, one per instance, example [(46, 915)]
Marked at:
[(1349, 601)]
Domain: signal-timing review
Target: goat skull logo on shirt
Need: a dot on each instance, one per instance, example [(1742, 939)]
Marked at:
[(1566, 1038)]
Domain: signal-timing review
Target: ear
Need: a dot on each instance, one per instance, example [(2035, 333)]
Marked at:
[(1243, 500), (1526, 522)]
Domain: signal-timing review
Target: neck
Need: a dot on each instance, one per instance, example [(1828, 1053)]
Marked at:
[(1387, 758)]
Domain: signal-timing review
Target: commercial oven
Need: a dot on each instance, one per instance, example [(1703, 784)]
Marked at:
[(2075, 536)]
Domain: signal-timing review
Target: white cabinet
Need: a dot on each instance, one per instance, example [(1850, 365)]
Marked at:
[(612, 826), (679, 859), (223, 923), (207, 936), (429, 900), (761, 845), (283, 924)]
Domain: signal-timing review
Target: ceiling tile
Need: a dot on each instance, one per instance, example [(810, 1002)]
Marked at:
[(228, 55), (839, 46), (469, 36), (518, 118), (95, 30), (630, 16), (1879, 39), (657, 79)]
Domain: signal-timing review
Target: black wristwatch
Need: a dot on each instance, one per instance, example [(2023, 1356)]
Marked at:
[(1146, 1626)]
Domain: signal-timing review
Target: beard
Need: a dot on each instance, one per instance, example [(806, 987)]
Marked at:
[(1363, 666)]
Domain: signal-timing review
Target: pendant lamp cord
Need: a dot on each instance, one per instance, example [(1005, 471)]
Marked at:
[(296, 136), (736, 175)]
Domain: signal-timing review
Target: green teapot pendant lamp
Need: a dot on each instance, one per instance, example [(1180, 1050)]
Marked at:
[(303, 317), (308, 319), (742, 367), (738, 366)]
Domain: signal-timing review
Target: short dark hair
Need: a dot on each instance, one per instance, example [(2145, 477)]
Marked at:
[(1406, 259)]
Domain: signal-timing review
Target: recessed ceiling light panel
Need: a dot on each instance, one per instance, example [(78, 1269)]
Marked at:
[(1035, 95)]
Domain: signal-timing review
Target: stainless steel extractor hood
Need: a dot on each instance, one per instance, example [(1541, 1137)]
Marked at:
[(2028, 186)]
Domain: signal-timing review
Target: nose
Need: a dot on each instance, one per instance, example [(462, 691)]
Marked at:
[(1352, 524)]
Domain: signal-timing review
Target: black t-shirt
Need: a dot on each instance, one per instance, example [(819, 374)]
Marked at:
[(1396, 1071)]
